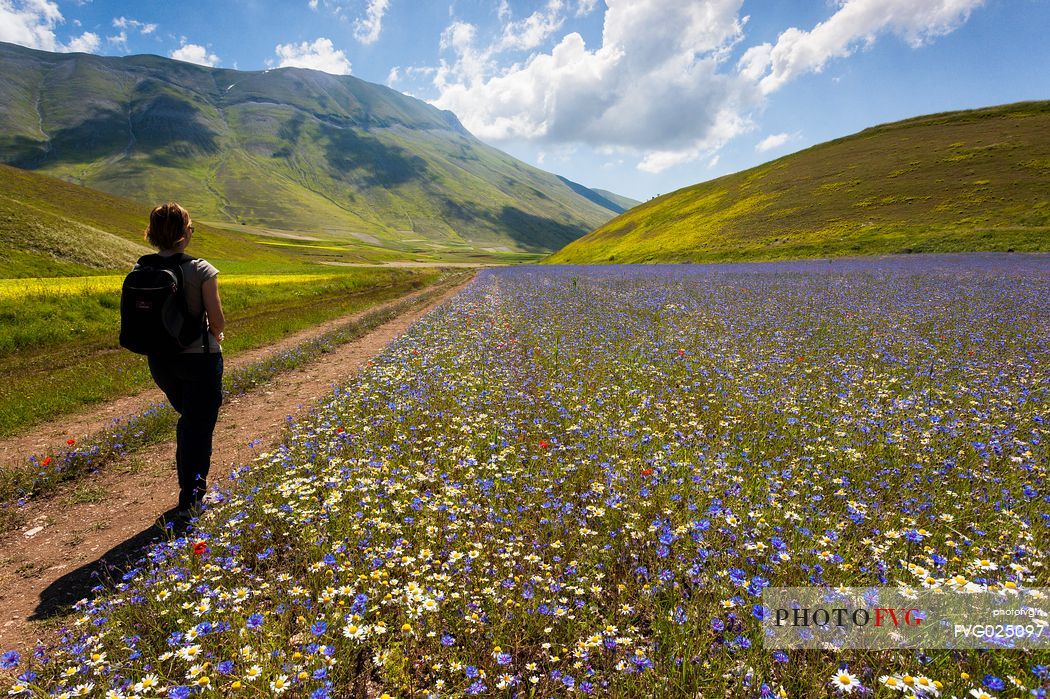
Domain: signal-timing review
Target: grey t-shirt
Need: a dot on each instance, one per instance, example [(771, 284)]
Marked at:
[(194, 274)]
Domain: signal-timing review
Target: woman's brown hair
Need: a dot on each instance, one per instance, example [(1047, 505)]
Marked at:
[(168, 224)]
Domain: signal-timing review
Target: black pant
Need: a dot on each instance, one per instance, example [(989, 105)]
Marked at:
[(193, 384)]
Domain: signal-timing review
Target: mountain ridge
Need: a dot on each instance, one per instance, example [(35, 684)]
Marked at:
[(287, 148)]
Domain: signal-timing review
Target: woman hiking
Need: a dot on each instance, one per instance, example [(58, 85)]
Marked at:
[(191, 374)]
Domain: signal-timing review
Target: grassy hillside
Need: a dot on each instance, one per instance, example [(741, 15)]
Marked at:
[(286, 149), (602, 198), (959, 181), (618, 199), (49, 227)]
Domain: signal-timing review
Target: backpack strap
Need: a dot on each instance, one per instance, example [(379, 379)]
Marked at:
[(182, 259)]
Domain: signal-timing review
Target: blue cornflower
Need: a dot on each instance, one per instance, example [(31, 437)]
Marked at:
[(503, 658), (476, 688), (319, 627), (10, 659), (255, 621), (447, 640), (993, 682), (225, 667), (179, 692)]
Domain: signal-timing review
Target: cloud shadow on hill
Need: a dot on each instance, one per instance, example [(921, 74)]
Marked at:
[(531, 232), (164, 127), (349, 153)]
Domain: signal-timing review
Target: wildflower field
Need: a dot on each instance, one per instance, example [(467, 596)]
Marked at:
[(578, 481)]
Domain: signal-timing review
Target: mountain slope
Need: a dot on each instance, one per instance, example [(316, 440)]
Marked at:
[(618, 199), (49, 228), (959, 181), (288, 149), (606, 200)]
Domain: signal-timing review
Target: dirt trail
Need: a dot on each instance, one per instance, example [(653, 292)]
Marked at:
[(106, 518), (50, 437)]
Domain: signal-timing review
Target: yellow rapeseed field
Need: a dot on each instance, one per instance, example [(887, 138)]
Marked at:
[(72, 286)]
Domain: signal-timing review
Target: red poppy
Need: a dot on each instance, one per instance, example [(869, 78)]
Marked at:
[(71, 441), (47, 461), (544, 444), (647, 472), (200, 548), (340, 430), (681, 353)]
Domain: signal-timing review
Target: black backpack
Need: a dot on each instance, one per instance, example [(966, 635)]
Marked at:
[(154, 316)]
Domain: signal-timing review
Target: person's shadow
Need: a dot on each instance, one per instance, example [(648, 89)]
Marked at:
[(58, 598)]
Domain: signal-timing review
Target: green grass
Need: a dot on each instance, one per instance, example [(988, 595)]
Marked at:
[(962, 181), (59, 353)]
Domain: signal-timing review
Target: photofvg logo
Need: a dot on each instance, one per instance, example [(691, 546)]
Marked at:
[(842, 616), (891, 617)]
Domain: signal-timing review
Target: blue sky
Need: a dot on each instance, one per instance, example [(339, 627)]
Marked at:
[(636, 96)]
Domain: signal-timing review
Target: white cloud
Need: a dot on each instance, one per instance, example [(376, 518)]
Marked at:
[(320, 54), (409, 74), (88, 42), (660, 86), (127, 23), (195, 53), (532, 31), (368, 28), (119, 40), (313, 4), (32, 23), (657, 92), (772, 141), (856, 24), (585, 7)]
